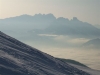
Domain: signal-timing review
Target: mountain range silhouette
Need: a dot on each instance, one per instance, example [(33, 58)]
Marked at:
[(49, 24)]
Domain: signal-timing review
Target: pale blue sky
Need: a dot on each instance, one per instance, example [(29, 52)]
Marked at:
[(85, 10)]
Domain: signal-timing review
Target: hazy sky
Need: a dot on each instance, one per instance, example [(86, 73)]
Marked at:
[(85, 10)]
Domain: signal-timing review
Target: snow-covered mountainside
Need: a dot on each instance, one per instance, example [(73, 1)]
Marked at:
[(17, 58), (89, 70)]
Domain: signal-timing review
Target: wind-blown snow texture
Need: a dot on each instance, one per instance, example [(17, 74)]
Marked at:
[(17, 58)]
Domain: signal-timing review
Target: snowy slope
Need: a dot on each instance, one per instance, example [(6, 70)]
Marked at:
[(89, 70), (17, 58)]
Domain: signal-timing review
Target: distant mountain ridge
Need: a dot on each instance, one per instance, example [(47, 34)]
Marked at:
[(94, 43), (38, 21), (49, 24), (73, 27)]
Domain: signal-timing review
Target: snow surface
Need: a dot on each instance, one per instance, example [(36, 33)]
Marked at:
[(89, 70), (17, 58)]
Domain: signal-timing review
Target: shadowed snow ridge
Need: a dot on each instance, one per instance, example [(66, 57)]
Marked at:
[(17, 58)]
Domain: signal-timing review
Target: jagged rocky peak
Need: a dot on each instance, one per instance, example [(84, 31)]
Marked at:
[(45, 15), (75, 18), (17, 58)]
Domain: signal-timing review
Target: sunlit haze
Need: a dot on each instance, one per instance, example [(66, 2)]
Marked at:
[(67, 29)]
